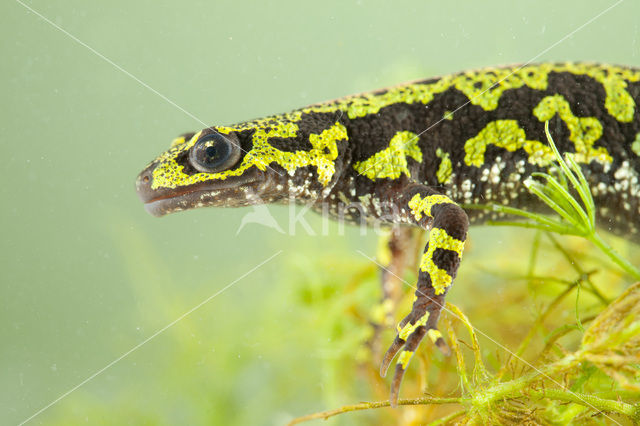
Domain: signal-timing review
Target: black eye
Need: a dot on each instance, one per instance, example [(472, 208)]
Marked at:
[(214, 152)]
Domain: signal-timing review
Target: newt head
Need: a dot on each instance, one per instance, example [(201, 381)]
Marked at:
[(208, 168), (267, 160)]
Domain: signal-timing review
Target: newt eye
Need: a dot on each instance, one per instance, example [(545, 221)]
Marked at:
[(214, 152)]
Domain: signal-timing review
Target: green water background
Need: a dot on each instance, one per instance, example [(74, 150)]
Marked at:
[(86, 274)]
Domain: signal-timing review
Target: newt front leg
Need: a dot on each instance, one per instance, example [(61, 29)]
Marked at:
[(448, 225)]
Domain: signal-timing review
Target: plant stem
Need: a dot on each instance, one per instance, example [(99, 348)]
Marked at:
[(369, 405), (507, 389), (614, 256), (448, 418), (591, 401)]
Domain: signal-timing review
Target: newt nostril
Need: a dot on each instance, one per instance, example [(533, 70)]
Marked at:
[(143, 179), (143, 184)]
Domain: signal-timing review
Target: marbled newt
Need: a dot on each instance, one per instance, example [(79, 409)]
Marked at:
[(410, 154)]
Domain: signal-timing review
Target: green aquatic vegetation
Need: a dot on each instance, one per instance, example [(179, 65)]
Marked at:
[(610, 344)]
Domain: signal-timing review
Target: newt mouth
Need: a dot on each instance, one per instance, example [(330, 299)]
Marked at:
[(231, 195), (224, 193), (166, 204)]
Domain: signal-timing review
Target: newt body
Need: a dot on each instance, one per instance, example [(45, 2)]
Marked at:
[(411, 154)]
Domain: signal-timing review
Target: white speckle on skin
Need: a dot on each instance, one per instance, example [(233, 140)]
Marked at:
[(485, 175)]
